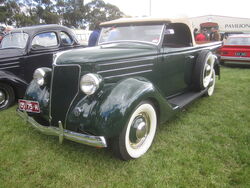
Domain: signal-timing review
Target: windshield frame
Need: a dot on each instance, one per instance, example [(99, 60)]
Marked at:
[(134, 41), (15, 33)]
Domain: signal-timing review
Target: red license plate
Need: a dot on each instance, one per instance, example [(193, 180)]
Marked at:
[(29, 106)]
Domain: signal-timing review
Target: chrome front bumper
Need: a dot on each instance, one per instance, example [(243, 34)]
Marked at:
[(226, 58), (96, 141)]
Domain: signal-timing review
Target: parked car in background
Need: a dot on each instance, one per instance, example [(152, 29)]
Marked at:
[(82, 36), (141, 73), (24, 50), (236, 50)]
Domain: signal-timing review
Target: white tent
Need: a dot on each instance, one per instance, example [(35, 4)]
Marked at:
[(225, 23)]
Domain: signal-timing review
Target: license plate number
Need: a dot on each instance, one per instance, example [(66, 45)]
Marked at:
[(240, 54), (29, 106)]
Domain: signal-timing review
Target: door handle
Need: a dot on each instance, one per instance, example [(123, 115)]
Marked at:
[(190, 57)]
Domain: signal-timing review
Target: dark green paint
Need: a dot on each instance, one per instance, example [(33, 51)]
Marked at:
[(107, 113), (106, 53), (162, 73)]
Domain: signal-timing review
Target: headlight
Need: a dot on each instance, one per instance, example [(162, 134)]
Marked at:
[(41, 75), (90, 83)]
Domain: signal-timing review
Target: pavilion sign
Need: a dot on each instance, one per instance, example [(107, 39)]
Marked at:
[(236, 26)]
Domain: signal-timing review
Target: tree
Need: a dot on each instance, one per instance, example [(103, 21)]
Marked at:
[(72, 13), (47, 11), (8, 9), (98, 11), (11, 13)]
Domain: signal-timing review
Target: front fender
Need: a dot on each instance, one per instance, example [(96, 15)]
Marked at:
[(108, 113), (19, 85), (40, 94)]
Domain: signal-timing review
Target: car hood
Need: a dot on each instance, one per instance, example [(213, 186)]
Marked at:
[(107, 52), (10, 53)]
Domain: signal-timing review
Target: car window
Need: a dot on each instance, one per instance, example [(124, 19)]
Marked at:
[(43, 40), (15, 40), (144, 33), (65, 38), (177, 35), (238, 41)]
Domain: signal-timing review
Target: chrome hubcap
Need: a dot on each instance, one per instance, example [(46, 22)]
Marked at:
[(208, 71), (2, 97), (139, 130)]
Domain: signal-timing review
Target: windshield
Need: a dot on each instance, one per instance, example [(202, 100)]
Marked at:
[(238, 41), (15, 40), (143, 33)]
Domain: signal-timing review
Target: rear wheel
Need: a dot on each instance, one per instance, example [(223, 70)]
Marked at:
[(203, 71), (7, 96), (210, 89), (137, 136)]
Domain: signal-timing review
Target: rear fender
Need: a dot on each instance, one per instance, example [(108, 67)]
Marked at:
[(217, 66), (19, 85)]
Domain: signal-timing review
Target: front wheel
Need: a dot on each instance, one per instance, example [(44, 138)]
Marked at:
[(7, 96), (137, 136)]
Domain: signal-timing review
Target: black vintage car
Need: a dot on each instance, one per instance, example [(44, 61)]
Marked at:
[(26, 49)]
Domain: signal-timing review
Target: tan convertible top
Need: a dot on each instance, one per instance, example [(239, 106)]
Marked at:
[(124, 21), (144, 20)]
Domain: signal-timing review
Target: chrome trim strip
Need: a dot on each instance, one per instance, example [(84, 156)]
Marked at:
[(121, 75), (189, 49), (124, 68), (96, 141), (58, 54), (134, 41), (4, 64), (237, 62), (235, 58), (129, 60), (50, 92), (3, 68), (77, 93)]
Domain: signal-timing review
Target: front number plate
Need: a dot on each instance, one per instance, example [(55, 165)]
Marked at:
[(29, 106)]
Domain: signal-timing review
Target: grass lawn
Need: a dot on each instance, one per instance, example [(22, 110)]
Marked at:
[(207, 145)]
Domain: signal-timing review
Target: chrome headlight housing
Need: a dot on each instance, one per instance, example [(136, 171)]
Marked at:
[(90, 83), (41, 75)]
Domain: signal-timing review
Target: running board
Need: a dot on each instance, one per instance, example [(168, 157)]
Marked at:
[(183, 100)]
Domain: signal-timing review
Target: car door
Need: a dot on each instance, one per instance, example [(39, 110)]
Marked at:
[(42, 48), (40, 52), (175, 65)]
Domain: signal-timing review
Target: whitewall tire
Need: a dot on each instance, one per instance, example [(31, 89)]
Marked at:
[(203, 70), (210, 89), (137, 136)]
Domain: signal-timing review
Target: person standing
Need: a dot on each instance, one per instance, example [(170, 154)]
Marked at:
[(201, 36), (94, 36), (195, 32), (215, 35)]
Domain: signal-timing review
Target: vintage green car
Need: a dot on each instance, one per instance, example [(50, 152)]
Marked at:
[(141, 73)]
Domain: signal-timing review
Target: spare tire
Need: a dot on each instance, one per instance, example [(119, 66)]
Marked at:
[(203, 70)]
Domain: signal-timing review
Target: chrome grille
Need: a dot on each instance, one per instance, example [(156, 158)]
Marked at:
[(64, 88)]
